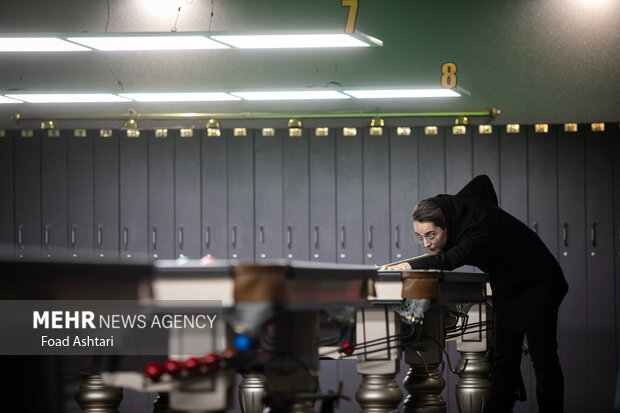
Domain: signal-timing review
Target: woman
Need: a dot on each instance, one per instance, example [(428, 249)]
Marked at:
[(527, 282)]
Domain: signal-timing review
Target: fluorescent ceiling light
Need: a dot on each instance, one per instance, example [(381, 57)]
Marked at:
[(402, 93), (8, 100), (68, 97), (278, 41), (173, 42), (178, 97), (291, 95), (38, 44)]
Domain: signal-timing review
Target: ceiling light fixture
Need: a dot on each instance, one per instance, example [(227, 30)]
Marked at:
[(290, 41), (291, 95), (153, 42), (179, 97), (9, 100), (401, 93), (38, 44), (68, 97)]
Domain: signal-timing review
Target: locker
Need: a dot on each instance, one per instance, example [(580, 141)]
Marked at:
[(215, 195), (107, 194), (80, 202), (133, 196), (322, 152), (27, 223), (431, 168), (485, 154), (296, 197), (241, 196), (376, 198), (513, 199), (7, 189), (403, 193), (187, 194), (573, 323), (599, 264), (161, 192), (54, 195), (268, 196), (349, 198)]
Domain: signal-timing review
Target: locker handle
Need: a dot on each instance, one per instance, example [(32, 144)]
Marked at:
[(234, 236), (289, 237), (261, 234), (181, 237), (397, 236), (73, 236), (125, 238), (20, 230), (342, 235), (99, 236), (565, 234), (208, 236), (316, 236), (593, 234), (535, 227), (46, 236), (154, 238), (370, 236)]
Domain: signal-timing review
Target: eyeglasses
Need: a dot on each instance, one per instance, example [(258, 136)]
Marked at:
[(429, 236)]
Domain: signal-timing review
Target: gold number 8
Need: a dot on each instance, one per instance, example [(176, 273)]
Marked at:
[(448, 75)]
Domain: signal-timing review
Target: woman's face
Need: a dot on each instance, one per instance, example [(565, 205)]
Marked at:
[(431, 237)]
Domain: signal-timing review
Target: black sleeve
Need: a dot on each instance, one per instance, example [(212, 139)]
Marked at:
[(466, 251), (480, 187)]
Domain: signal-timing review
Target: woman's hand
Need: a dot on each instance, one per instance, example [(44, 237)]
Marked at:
[(403, 266)]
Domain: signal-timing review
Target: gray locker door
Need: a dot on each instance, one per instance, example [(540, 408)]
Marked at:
[(161, 193), (616, 143), (573, 321), (54, 193), (241, 196), (431, 167), (600, 268), (187, 194), (485, 147), (215, 195), (107, 194), (268, 195), (376, 180), (28, 231), (7, 211), (513, 199), (349, 198), (542, 185), (323, 197), (459, 156), (133, 197), (80, 172), (403, 193), (296, 197)]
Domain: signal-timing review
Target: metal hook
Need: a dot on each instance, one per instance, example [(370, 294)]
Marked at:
[(428, 373)]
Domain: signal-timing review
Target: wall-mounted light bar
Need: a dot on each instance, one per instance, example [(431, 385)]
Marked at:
[(181, 41), (226, 96)]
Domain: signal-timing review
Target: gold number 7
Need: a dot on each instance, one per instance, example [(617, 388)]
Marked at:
[(352, 16)]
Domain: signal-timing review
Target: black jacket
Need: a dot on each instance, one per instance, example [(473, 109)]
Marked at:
[(525, 277)]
